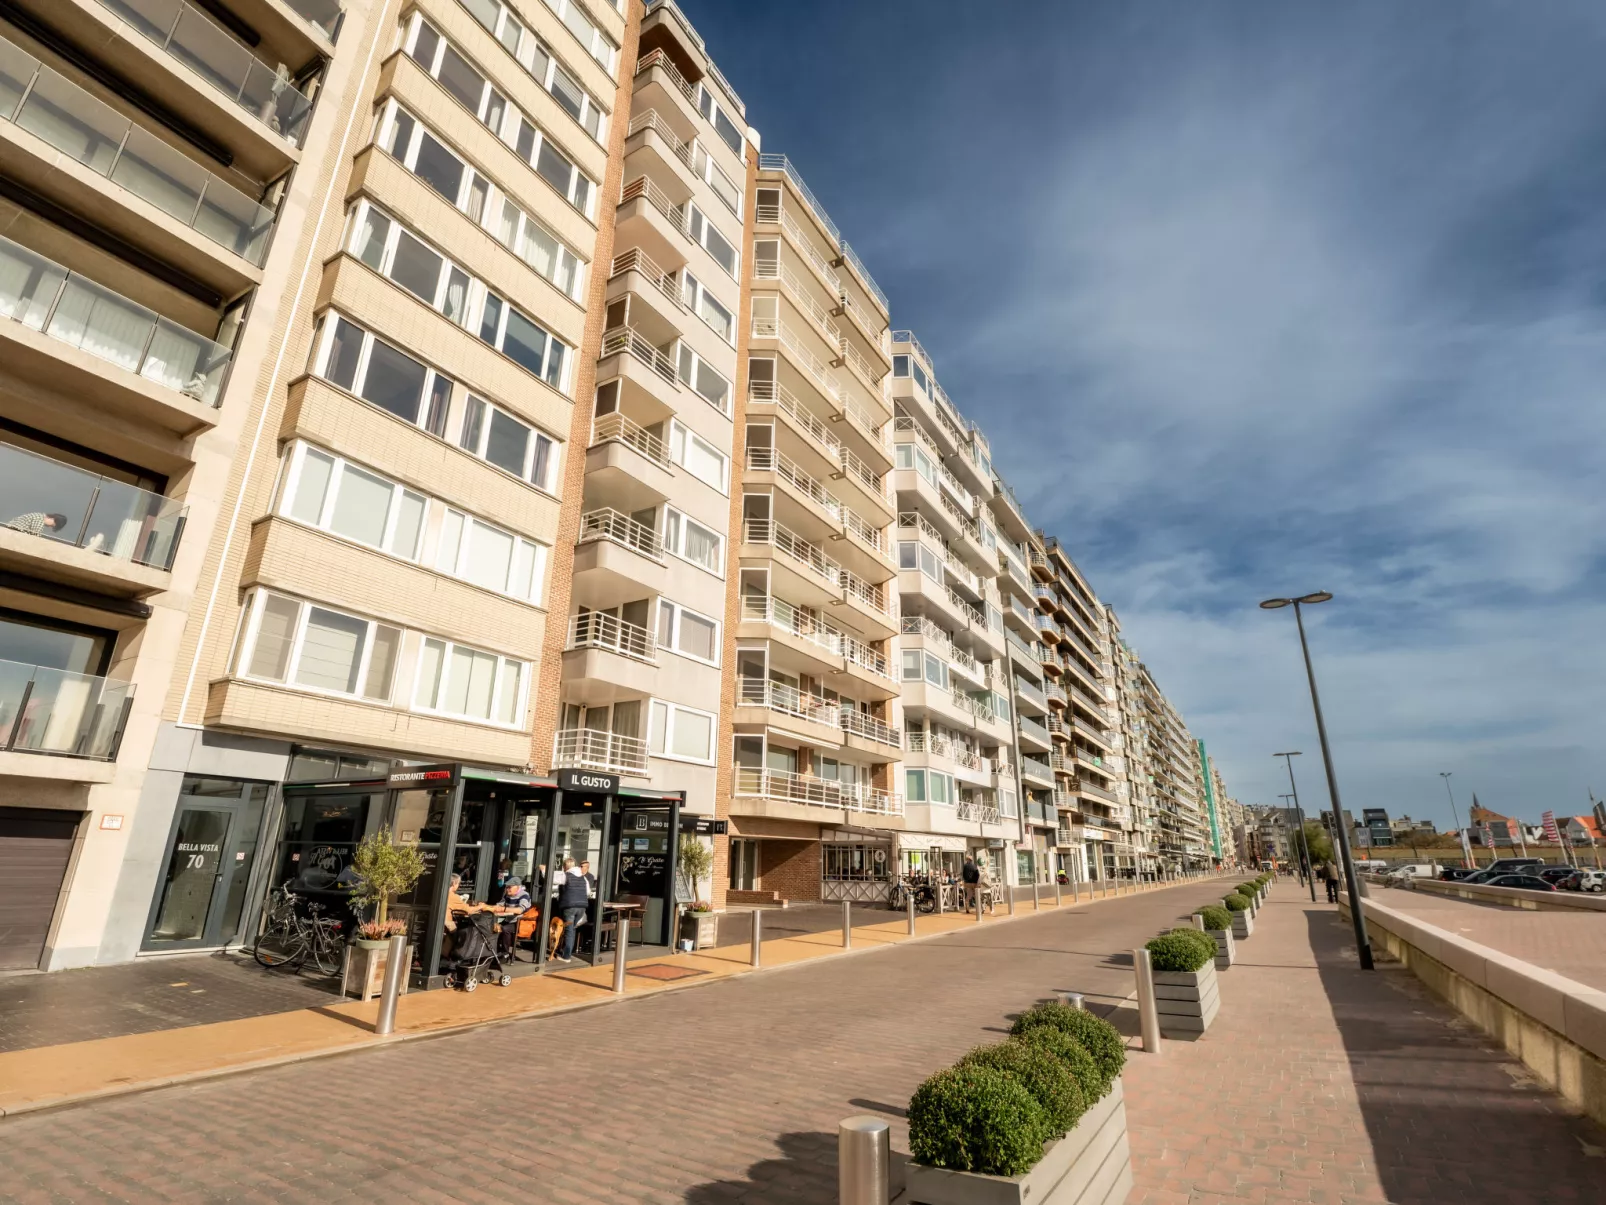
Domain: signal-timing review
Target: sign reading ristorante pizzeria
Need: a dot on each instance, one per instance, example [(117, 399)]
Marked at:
[(422, 776)]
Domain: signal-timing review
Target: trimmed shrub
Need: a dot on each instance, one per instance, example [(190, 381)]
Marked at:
[(1101, 1039), (1235, 903), (1046, 1077), (1216, 917), (976, 1119), (1084, 1069), (1248, 890), (1179, 951)]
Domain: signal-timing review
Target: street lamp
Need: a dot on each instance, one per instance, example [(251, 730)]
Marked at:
[(1363, 948), (1310, 868), (1454, 815)]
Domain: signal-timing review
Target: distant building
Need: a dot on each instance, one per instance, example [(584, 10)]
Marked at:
[(1378, 829)]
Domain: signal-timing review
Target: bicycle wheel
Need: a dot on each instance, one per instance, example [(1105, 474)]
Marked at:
[(281, 948), (328, 951)]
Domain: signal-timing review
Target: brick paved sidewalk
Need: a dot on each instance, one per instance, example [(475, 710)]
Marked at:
[(1323, 1084)]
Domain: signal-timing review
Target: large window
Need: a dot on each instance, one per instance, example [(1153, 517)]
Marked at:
[(913, 456), (509, 443), (487, 556), (729, 131), (316, 648), (331, 493), (711, 240), (918, 665), (724, 188), (691, 541), (535, 245), (697, 456), (597, 44), (456, 680), (681, 732), (707, 307), (352, 358), (905, 366), (696, 372), (913, 554), (430, 159), (524, 341), (536, 57), (687, 632)]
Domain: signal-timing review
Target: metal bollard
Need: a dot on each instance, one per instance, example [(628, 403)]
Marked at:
[(1198, 921), (1010, 893), (911, 915), (1059, 897), (864, 1161), (758, 938), (937, 889), (1073, 999), (847, 924), (395, 968), (978, 903), (1037, 896), (1148, 1011), (621, 947)]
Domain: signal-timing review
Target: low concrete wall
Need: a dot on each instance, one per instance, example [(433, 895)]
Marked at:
[(1555, 1025), (1516, 897)]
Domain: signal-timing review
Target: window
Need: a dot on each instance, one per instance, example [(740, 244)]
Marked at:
[(936, 671), (913, 456), (900, 366), (911, 665), (1007, 805), (940, 786), (729, 132), (915, 555), (703, 164), (536, 57), (393, 251), (691, 541), (687, 632), (697, 456), (698, 299), (487, 556), (597, 44), (426, 156), (302, 644), (536, 245), (553, 166), (914, 786), (455, 73), (497, 437), (695, 371), (350, 357), (459, 681), (680, 732), (523, 341), (711, 240), (330, 493)]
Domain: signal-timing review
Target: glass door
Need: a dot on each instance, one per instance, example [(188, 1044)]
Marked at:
[(209, 859)]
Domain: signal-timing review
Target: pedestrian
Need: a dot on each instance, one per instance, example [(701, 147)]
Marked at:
[(572, 902), (972, 879), (1329, 876)]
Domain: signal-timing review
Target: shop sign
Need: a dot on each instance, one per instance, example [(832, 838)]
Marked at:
[(704, 826), (421, 776), (588, 780)]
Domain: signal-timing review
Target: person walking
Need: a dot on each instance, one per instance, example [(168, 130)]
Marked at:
[(1329, 877), (971, 875), (573, 899)]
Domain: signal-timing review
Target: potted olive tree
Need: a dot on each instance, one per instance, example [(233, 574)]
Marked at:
[(383, 869), (694, 862), (1185, 991), (1037, 1120)]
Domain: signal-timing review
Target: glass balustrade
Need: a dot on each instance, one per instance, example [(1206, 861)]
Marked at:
[(44, 710), (55, 501)]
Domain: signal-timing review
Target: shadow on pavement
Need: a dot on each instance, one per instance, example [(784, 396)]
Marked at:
[(1450, 1116), (805, 1172)]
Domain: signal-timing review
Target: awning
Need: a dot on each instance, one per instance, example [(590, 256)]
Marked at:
[(926, 841)]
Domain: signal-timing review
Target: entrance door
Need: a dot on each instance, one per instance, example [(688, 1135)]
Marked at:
[(35, 847), (209, 861)]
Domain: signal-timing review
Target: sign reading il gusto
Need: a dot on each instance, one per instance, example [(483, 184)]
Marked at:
[(588, 780)]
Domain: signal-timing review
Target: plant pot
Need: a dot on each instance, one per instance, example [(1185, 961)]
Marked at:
[(1226, 951), (1092, 1165), (365, 943), (364, 972), (699, 928), (1243, 924), (1187, 1001)]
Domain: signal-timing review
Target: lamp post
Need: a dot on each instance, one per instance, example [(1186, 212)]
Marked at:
[(1454, 815), (1310, 868), (1363, 948)]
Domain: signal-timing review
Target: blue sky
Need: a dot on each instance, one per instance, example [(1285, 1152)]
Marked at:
[(1257, 297)]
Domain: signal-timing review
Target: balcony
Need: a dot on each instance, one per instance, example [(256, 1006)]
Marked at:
[(659, 287), (627, 466), (627, 341), (649, 218), (786, 787), (654, 131), (1033, 731), (1055, 693), (824, 505), (1036, 770), (806, 559), (595, 749), (788, 701), (41, 106), (1031, 694), (616, 527), (877, 732), (599, 630), (978, 813), (43, 296), (55, 711)]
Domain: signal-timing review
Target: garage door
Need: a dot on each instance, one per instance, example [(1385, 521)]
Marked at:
[(35, 845)]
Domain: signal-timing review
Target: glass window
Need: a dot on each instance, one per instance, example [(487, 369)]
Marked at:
[(275, 637), (362, 505), (331, 651), (911, 665), (310, 486), (691, 540), (687, 632), (711, 385), (393, 380), (438, 167), (914, 786), (711, 240), (900, 366), (697, 456), (459, 77), (507, 443), (729, 132), (676, 731), (416, 268), (466, 682), (525, 343), (344, 354), (371, 236)]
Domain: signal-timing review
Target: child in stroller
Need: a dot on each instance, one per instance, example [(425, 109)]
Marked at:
[(474, 959)]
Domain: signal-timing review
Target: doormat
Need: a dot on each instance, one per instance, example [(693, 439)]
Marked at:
[(664, 972)]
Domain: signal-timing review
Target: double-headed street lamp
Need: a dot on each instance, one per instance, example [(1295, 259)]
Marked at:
[(1310, 866), (1341, 837)]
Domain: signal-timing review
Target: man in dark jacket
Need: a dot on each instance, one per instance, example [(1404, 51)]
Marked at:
[(573, 904), (970, 874), (1329, 877)]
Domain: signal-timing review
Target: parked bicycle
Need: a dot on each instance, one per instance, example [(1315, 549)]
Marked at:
[(925, 899), (292, 933)]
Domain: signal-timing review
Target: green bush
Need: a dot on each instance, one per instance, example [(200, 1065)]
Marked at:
[(1179, 951), (1248, 890), (976, 1119), (1084, 1069), (1235, 903), (1101, 1039), (1216, 917), (1046, 1077)]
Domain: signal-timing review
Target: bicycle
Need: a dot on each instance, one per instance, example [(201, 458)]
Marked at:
[(289, 937)]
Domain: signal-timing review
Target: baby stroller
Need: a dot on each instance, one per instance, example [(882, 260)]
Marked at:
[(474, 959)]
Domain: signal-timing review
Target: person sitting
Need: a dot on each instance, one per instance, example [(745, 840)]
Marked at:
[(515, 902), (458, 904), (39, 523)]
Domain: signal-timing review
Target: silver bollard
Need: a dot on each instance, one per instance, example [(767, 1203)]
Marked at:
[(621, 946), (395, 968), (978, 903), (1073, 1000), (1037, 896), (864, 1161), (911, 914), (1010, 893), (758, 938), (847, 924), (1198, 921), (1059, 897), (1148, 1011)]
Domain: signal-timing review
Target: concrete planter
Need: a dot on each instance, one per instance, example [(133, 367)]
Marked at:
[(1243, 924), (1092, 1165), (1187, 1001), (1226, 952)]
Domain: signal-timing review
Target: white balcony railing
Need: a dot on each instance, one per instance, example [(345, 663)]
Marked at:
[(794, 547), (787, 700), (766, 270), (869, 727), (597, 630), (619, 528), (857, 652), (980, 813), (626, 340), (643, 188), (658, 59), (616, 428), (667, 283), (864, 593), (787, 787), (595, 749), (769, 460), (650, 120)]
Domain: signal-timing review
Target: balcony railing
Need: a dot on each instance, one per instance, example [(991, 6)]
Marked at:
[(197, 41), (793, 547), (597, 630), (1085, 787), (867, 726), (788, 700), (73, 506), (1032, 728), (658, 59), (626, 340), (650, 120), (44, 710), (860, 530), (667, 283), (1090, 730), (596, 749), (1027, 691), (777, 215), (864, 593), (857, 652), (969, 758), (787, 787), (53, 108), (616, 428), (644, 188), (1055, 692), (768, 460), (322, 14), (980, 813), (774, 269), (780, 163), (851, 356), (1037, 766), (619, 528), (44, 296)]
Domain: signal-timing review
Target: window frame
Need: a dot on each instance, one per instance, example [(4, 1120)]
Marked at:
[(680, 436), (532, 455), (539, 554), (666, 737), (428, 418), (294, 478), (694, 217), (251, 629), (674, 546), (705, 93), (520, 706), (699, 365), (677, 611), (693, 293)]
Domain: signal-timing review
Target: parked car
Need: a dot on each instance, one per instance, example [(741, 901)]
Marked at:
[(1528, 882), (1402, 875), (1513, 865), (1586, 879), (1453, 874), (1556, 875)]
